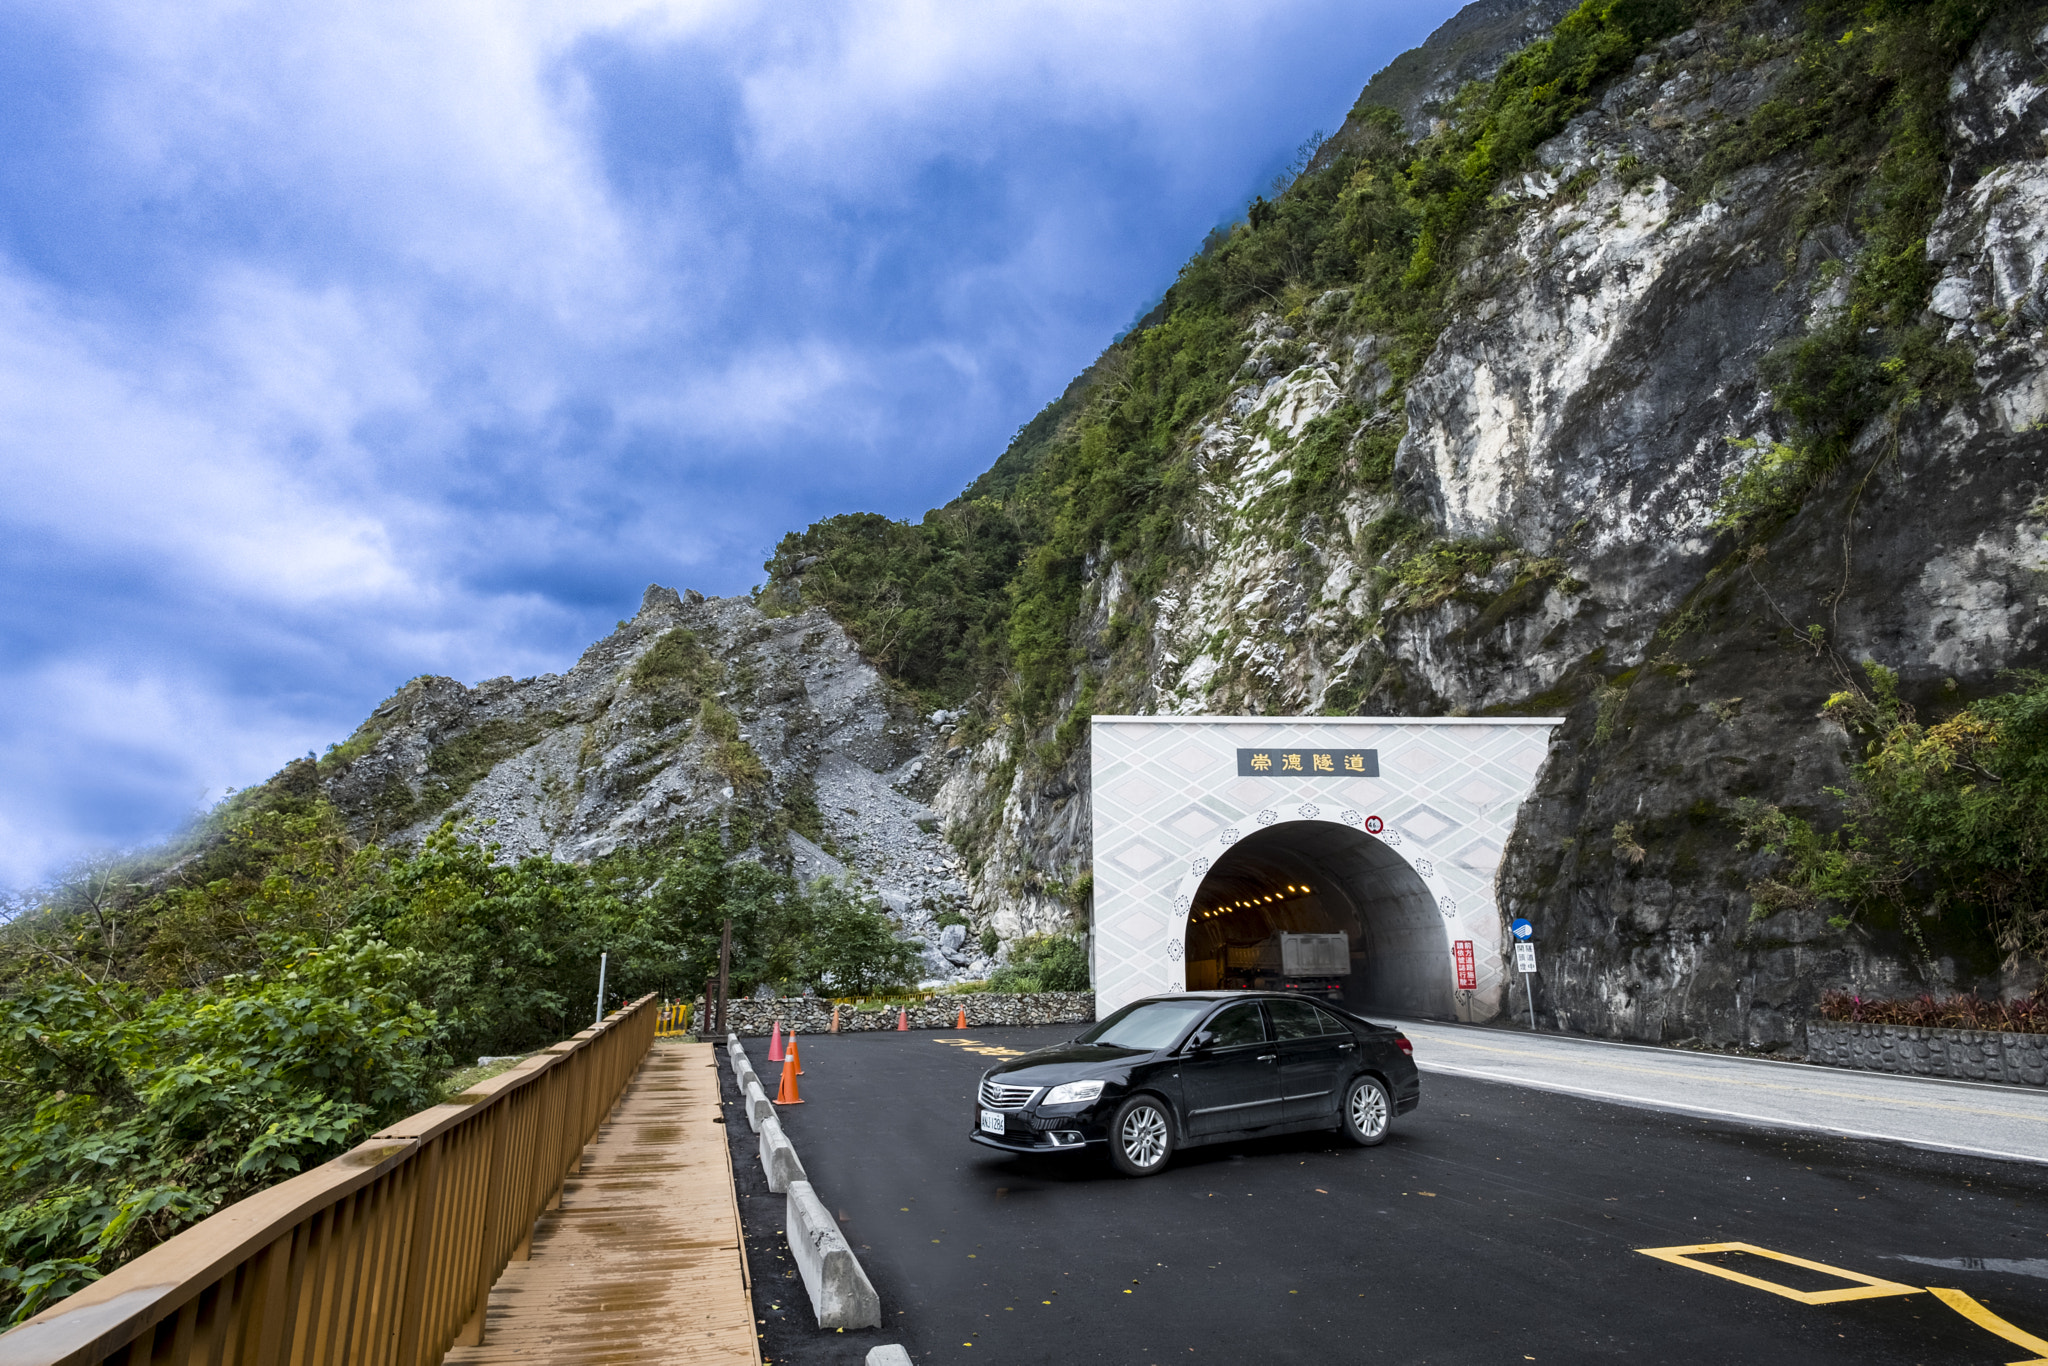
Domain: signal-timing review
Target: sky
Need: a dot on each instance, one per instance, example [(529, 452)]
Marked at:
[(342, 344)]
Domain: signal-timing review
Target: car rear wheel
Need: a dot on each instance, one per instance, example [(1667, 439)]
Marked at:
[(1368, 1112), (1140, 1137)]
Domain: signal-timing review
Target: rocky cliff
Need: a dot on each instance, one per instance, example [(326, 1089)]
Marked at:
[(1700, 407), (1566, 448), (697, 714)]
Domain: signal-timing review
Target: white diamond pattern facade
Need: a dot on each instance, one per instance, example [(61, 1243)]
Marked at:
[(1168, 802)]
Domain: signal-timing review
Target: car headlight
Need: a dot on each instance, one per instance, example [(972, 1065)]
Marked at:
[(1072, 1093)]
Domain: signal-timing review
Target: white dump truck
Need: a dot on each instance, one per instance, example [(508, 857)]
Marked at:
[(1312, 964)]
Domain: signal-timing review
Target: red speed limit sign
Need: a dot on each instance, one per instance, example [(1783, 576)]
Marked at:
[(1468, 971)]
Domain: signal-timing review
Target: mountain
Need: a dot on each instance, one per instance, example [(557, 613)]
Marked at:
[(1658, 366)]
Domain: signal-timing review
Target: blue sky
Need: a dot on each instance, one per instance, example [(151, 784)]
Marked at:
[(344, 344)]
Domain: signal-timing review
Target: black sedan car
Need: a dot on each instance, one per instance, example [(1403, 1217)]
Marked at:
[(1200, 1067)]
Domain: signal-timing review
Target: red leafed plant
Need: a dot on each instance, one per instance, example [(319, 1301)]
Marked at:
[(2028, 1015)]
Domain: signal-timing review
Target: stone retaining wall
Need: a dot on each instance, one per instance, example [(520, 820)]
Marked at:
[(1971, 1054), (809, 1015)]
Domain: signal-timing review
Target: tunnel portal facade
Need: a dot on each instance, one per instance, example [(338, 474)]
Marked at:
[(1212, 834)]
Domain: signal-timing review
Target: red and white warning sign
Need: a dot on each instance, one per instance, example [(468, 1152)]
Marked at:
[(1468, 971)]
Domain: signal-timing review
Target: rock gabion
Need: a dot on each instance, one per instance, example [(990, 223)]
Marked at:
[(813, 1015), (1969, 1054)]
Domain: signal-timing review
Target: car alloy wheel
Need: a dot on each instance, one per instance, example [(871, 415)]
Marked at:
[(1141, 1137), (1367, 1112)]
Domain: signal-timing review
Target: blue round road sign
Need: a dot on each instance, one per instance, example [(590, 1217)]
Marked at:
[(1521, 929)]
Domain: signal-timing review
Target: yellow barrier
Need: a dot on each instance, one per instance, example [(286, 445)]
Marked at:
[(383, 1257), (672, 1021)]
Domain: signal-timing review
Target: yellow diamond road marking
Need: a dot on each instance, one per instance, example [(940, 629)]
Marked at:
[(1865, 1287)]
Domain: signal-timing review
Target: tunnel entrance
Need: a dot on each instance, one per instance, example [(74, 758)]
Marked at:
[(1317, 877), (1394, 827)]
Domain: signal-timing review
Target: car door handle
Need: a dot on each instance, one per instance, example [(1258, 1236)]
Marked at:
[(1267, 1057), (1346, 1047)]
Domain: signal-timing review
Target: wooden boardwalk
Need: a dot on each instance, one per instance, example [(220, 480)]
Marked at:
[(642, 1262)]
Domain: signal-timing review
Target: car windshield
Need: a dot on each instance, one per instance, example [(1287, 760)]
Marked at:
[(1148, 1025)]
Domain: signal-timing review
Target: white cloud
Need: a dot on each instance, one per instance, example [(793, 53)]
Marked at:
[(387, 367), (84, 734), (92, 455)]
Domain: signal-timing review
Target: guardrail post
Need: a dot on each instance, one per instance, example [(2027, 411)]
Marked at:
[(419, 1251), (472, 1333), (269, 1304)]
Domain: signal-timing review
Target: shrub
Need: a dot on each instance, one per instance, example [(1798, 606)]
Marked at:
[(2025, 1016), (1951, 816), (126, 1117), (849, 946), (1043, 963)]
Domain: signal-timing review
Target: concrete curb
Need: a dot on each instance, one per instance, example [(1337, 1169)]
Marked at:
[(752, 1094), (891, 1355), (841, 1294), (742, 1065), (760, 1109), (778, 1157)]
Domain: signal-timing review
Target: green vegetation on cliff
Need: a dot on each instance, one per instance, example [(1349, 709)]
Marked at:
[(991, 590), (1941, 819), (1867, 103)]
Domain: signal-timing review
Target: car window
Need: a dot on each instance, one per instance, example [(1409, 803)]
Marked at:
[(1331, 1024), (1147, 1025), (1237, 1024), (1296, 1020)]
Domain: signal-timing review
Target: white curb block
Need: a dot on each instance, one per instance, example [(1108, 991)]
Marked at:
[(742, 1066), (778, 1157), (841, 1294), (760, 1109), (891, 1355)]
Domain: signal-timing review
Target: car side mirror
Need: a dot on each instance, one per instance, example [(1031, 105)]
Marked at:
[(1201, 1039)]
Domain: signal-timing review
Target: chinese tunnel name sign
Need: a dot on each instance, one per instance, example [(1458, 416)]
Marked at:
[(1308, 763)]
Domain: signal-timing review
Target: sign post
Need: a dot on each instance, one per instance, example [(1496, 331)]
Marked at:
[(1468, 973), (1525, 963)]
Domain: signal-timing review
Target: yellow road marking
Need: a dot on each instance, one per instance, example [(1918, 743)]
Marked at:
[(1866, 1287), (1526, 1054), (975, 1046), (1991, 1323)]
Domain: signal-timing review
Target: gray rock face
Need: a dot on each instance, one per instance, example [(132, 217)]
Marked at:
[(579, 764)]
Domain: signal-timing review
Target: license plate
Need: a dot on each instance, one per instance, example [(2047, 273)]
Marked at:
[(991, 1121)]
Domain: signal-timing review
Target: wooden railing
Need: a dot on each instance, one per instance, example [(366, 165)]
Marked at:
[(383, 1257)]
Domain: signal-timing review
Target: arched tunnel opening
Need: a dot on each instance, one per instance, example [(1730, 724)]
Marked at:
[(1316, 878)]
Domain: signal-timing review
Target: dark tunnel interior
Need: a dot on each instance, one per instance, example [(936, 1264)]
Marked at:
[(1312, 877)]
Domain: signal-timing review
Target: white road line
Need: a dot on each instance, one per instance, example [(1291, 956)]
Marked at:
[(1713, 1112)]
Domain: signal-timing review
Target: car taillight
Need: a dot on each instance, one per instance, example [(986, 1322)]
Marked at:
[(1401, 1042)]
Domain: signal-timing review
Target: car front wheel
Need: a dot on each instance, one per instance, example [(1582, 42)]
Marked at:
[(1140, 1137), (1368, 1112)]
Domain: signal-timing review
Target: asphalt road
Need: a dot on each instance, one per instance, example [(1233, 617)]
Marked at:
[(1497, 1224)]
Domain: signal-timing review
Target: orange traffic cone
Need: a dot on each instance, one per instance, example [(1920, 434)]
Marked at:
[(835, 1019), (902, 1020), (963, 1018), (793, 1054), (775, 1043), (786, 1093)]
